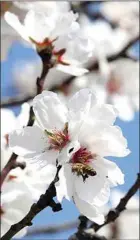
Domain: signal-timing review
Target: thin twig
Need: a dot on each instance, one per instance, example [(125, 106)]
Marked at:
[(52, 229), (44, 201), (8, 167)]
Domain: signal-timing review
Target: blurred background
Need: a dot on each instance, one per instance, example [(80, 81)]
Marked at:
[(112, 26)]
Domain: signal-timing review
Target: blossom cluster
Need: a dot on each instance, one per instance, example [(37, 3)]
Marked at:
[(73, 129), (78, 136)]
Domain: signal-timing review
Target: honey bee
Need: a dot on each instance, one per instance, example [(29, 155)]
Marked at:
[(83, 170)]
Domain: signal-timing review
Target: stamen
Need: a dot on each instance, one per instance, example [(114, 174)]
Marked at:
[(80, 163), (82, 156), (58, 139)]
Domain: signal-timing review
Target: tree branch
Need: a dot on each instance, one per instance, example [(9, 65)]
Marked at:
[(44, 201)]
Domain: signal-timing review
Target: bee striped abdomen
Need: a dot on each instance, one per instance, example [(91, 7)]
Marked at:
[(83, 169)]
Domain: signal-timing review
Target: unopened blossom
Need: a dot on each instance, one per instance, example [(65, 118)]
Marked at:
[(11, 209), (56, 37), (76, 136)]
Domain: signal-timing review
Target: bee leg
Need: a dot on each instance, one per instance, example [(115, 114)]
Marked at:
[(85, 176)]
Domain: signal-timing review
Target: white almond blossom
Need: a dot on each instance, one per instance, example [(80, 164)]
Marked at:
[(19, 121), (117, 84), (11, 209), (125, 14), (9, 35), (77, 136), (7, 116), (59, 35), (35, 182), (50, 7), (105, 40)]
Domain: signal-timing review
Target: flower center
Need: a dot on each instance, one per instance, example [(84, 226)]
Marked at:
[(1, 211), (58, 139), (82, 156), (46, 49), (80, 161), (40, 46)]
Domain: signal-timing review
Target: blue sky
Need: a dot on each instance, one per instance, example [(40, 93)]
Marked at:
[(129, 165)]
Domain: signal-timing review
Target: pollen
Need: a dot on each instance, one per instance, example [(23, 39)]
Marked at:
[(80, 163), (82, 156), (58, 139)]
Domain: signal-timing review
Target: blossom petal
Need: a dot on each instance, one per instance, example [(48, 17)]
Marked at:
[(103, 140), (103, 112), (64, 187), (73, 70), (45, 158), (50, 112), (89, 189), (14, 22), (113, 143), (79, 106), (124, 107), (28, 142), (115, 174), (103, 197), (88, 210)]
